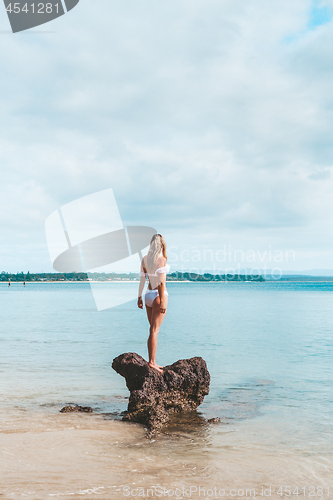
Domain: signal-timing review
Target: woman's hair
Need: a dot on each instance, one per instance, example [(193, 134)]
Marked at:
[(157, 246)]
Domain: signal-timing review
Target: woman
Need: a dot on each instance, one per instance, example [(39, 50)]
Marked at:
[(154, 265)]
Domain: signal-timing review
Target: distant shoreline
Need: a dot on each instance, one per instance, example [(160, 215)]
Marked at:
[(175, 277), (93, 281), (122, 277), (308, 279)]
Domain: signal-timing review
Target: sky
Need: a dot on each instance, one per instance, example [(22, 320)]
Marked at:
[(211, 120)]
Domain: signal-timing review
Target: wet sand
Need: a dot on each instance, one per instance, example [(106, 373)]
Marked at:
[(52, 455)]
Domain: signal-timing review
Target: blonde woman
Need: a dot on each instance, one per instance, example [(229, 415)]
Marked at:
[(154, 266)]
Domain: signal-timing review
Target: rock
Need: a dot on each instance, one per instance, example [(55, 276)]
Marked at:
[(182, 386), (215, 420), (67, 409)]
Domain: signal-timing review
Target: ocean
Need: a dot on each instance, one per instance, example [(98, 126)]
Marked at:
[(268, 348)]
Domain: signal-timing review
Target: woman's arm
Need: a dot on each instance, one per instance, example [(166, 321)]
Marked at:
[(141, 285), (162, 283), (161, 290)]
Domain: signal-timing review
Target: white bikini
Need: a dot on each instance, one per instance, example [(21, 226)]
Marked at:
[(151, 295)]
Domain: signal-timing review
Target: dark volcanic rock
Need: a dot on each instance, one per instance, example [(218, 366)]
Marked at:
[(182, 386), (215, 420), (67, 409)]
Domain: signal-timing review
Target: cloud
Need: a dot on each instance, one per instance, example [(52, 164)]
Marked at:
[(320, 174), (197, 114)]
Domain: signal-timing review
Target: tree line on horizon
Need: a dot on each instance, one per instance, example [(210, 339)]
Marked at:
[(176, 276)]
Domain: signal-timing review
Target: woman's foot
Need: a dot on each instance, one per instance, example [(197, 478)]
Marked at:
[(156, 367)]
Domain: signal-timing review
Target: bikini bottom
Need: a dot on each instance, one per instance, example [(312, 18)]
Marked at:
[(151, 295)]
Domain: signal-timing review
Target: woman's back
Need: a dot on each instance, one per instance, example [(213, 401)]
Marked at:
[(154, 270)]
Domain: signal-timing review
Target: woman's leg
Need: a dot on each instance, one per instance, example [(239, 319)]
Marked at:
[(149, 314), (156, 320), (149, 311)]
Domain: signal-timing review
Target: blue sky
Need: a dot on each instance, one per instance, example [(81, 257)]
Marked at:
[(205, 123), (319, 14)]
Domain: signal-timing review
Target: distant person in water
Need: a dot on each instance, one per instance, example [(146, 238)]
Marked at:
[(8, 283), (23, 283), (154, 266)]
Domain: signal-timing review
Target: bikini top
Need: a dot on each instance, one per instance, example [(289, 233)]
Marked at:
[(165, 269)]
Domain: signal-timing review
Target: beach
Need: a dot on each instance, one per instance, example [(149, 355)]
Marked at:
[(70, 456), (267, 347)]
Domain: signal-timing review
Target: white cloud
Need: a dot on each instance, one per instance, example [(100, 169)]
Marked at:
[(202, 119)]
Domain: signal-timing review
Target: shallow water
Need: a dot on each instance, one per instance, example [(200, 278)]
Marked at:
[(268, 347)]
